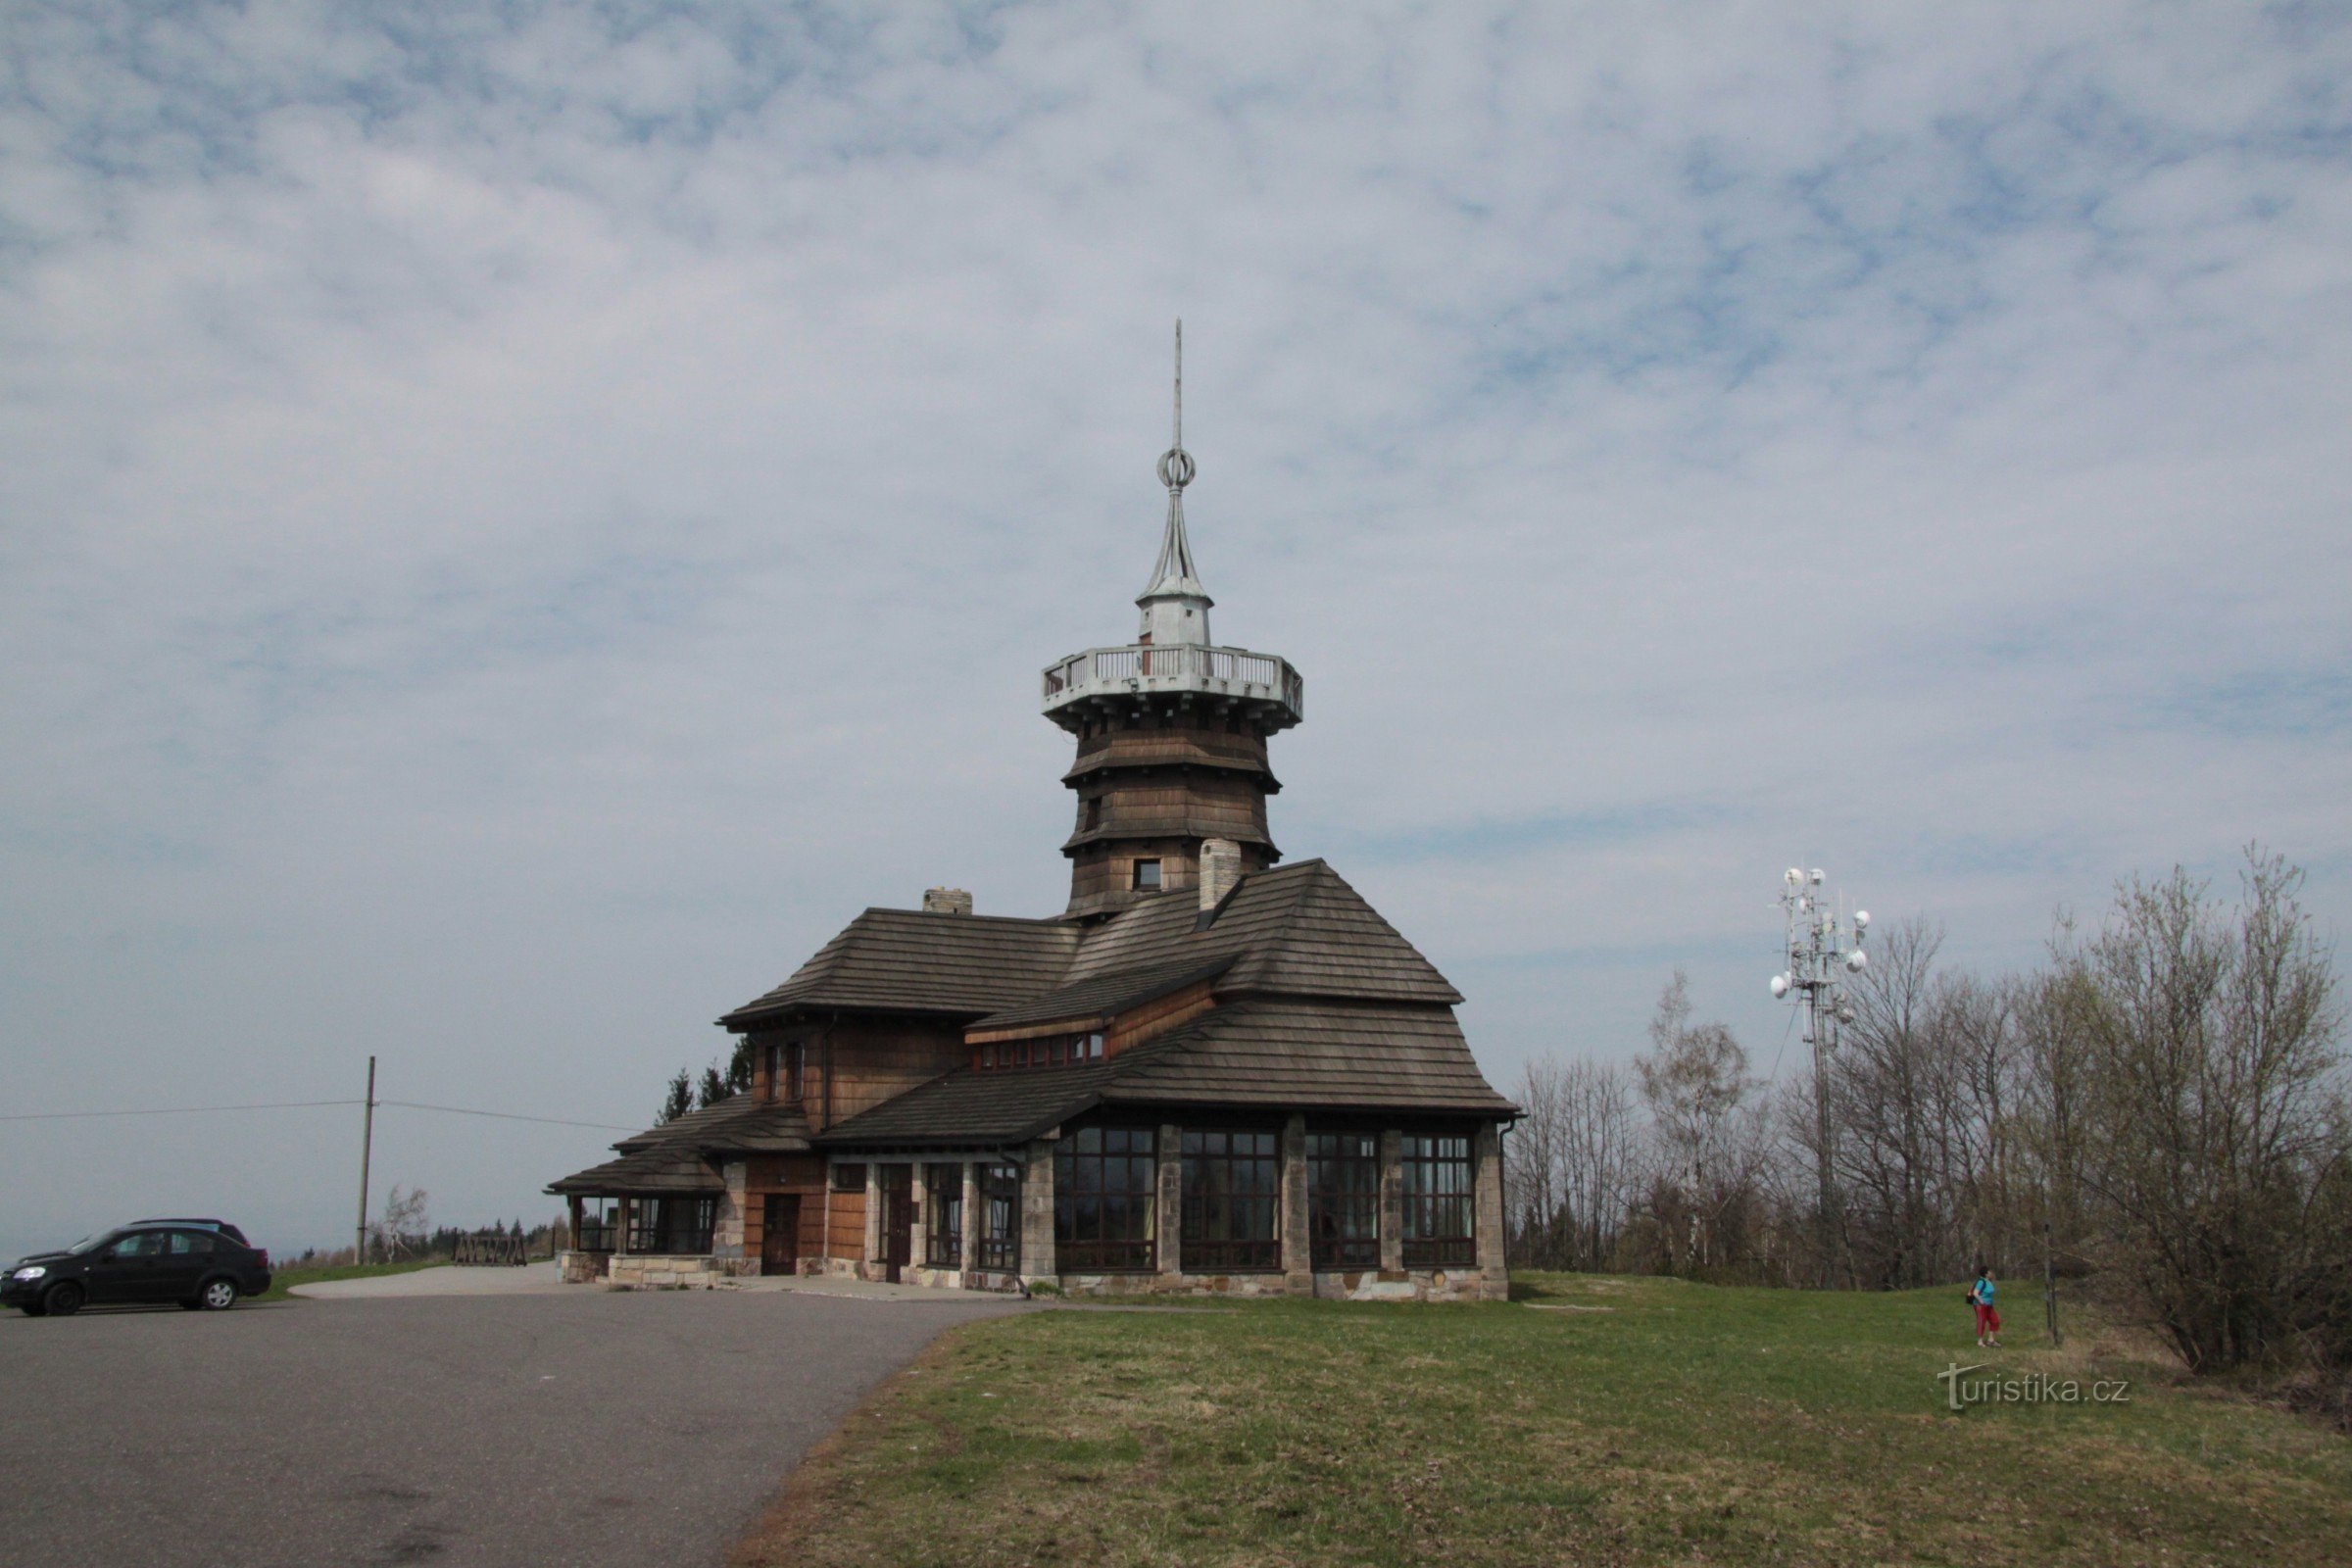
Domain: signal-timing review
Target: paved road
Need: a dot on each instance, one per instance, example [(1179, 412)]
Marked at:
[(599, 1426)]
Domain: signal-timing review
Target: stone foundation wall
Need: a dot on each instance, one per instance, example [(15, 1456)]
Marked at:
[(1366, 1285), (653, 1271), (581, 1268)]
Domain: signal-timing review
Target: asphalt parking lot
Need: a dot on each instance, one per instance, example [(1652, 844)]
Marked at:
[(588, 1428)]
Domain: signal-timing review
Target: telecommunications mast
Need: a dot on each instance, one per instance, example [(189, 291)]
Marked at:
[(1822, 948)]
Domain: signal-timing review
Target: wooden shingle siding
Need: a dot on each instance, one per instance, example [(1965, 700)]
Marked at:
[(845, 1235), (1166, 746), (877, 1058)]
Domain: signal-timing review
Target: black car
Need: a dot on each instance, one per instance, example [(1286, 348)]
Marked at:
[(200, 1263)]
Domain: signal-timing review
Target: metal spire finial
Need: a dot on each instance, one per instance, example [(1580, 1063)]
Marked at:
[(1173, 577), (1176, 468)]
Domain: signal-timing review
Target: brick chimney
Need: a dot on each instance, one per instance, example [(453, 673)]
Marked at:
[(947, 901)]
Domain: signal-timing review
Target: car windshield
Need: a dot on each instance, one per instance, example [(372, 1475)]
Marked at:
[(90, 1244)]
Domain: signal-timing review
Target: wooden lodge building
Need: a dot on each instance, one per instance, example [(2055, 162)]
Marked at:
[(1210, 1072)]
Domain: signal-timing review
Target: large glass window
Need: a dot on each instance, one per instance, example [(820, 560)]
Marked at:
[(1437, 1203), (1232, 1194), (1105, 1199), (1343, 1199), (1000, 1217), (943, 1216), (600, 1222), (679, 1226)]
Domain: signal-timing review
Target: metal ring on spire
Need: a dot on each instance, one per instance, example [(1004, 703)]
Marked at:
[(1176, 468)]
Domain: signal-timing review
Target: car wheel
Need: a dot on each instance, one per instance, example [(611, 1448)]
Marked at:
[(64, 1299), (218, 1295)]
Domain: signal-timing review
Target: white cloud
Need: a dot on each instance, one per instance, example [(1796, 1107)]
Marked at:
[(515, 525)]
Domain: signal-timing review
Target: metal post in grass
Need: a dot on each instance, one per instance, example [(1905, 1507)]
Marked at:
[(2049, 1282)]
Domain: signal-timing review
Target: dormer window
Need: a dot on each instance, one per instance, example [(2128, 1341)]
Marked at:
[(1146, 876)]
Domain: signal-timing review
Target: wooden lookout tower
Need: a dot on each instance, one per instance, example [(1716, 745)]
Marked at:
[(1171, 732)]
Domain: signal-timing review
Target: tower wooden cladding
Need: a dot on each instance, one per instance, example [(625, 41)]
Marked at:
[(1171, 730), (1154, 778)]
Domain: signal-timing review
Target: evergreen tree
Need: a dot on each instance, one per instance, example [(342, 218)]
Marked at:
[(678, 1099)]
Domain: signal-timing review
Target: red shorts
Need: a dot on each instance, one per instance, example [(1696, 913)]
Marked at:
[(1988, 1320)]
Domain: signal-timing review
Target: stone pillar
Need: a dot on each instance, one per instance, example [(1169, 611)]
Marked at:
[(1298, 1248), (918, 1234), (572, 1203), (1486, 1163), (1037, 1213), (873, 1220), (1392, 1201), (624, 1220), (728, 1225), (825, 1243), (971, 1222), (1171, 1202)]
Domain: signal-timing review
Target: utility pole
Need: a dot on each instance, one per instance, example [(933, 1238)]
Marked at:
[(1818, 950), (359, 1246)]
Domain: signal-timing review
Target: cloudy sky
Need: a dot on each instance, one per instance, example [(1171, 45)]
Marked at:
[(515, 523)]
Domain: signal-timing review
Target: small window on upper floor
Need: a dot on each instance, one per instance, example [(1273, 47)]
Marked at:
[(1146, 876)]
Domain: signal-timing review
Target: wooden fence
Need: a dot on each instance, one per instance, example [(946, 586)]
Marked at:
[(485, 1249)]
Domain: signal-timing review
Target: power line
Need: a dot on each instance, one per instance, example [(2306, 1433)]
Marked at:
[(310, 1105), (170, 1110), (506, 1115)]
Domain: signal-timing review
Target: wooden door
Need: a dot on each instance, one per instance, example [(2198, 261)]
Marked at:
[(780, 1234), (897, 1218)]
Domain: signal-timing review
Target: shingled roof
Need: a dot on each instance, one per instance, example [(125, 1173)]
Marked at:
[(906, 961), (663, 1168), (1321, 1005), (1297, 930), (677, 1155), (1310, 1055), (1103, 995)]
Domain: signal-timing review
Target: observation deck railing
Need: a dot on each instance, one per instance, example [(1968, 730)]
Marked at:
[(1139, 667)]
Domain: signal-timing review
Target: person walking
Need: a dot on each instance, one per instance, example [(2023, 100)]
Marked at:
[(1989, 1321)]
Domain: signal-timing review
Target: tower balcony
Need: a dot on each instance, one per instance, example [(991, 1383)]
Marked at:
[(1178, 669)]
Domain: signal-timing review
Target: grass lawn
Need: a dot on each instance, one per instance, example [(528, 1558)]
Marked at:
[(285, 1279), (1598, 1420)]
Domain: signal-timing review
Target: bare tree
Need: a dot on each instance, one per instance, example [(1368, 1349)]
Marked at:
[(1709, 1141), (403, 1227), (2216, 1097)]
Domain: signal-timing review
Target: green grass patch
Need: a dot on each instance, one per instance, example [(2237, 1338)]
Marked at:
[(1594, 1420), (285, 1280)]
